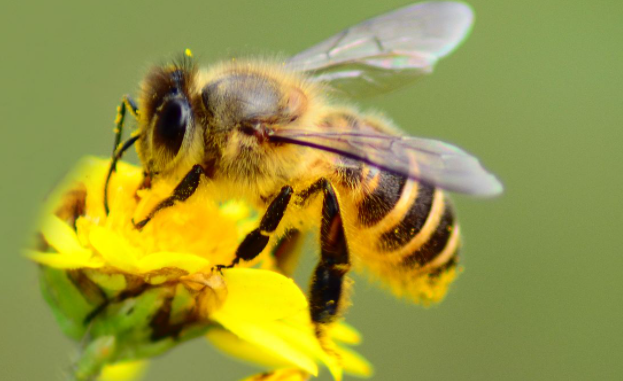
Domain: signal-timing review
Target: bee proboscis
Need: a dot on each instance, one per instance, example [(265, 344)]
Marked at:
[(267, 133)]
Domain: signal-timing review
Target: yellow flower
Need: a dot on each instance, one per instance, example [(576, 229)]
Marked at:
[(123, 371), (136, 293)]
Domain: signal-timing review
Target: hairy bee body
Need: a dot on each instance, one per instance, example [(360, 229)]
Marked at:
[(270, 134), (403, 231)]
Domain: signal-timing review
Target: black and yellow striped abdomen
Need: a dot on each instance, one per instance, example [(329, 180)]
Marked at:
[(403, 231)]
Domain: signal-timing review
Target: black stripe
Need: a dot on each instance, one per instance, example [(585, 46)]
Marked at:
[(412, 222), (444, 268), (437, 242), (376, 205)]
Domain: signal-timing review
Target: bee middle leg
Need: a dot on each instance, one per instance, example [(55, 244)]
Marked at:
[(255, 242)]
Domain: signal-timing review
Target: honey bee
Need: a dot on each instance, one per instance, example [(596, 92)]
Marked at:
[(269, 134)]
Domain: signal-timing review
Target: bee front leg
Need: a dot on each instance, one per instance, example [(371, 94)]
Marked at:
[(127, 103), (256, 241), (181, 193), (327, 286), (119, 149)]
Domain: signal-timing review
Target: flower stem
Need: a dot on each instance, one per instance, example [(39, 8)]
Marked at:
[(93, 358)]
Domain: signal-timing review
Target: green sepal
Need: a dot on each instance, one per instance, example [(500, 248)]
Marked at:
[(68, 303), (121, 326)]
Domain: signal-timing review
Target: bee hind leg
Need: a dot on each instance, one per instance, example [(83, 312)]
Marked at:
[(327, 286)]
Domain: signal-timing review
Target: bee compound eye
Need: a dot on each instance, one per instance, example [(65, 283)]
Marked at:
[(171, 123)]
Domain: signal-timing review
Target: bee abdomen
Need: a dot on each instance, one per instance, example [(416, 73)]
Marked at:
[(381, 200), (426, 237), (412, 222), (435, 245), (423, 268)]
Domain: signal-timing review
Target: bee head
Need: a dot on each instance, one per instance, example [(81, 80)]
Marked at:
[(167, 122)]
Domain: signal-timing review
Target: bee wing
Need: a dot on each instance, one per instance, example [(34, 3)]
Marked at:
[(428, 161), (388, 51)]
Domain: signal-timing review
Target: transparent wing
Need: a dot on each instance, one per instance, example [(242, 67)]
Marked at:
[(387, 51), (428, 161)]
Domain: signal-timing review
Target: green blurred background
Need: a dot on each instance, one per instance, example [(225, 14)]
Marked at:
[(535, 92)]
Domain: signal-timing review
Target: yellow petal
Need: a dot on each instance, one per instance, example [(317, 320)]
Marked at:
[(302, 338), (64, 261), (61, 236), (354, 363), (185, 261), (262, 336), (115, 250), (258, 295), (236, 347), (280, 375), (345, 333), (124, 371)]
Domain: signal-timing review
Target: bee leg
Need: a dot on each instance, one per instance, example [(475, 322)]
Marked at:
[(113, 166), (118, 150), (255, 242), (127, 103), (182, 192), (327, 284)]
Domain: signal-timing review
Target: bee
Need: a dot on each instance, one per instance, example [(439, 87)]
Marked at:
[(271, 135)]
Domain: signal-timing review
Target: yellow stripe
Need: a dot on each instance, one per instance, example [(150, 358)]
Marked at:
[(429, 228), (395, 216), (368, 185), (447, 253)]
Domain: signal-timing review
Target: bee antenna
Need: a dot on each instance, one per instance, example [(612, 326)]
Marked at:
[(185, 61)]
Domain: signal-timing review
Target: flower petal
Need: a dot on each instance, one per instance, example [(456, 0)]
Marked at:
[(61, 236), (354, 363), (64, 261), (124, 371), (185, 261), (302, 337), (234, 346), (257, 295), (345, 333), (262, 336), (280, 375), (115, 250)]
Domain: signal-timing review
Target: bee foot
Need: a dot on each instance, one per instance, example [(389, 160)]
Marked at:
[(220, 268)]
